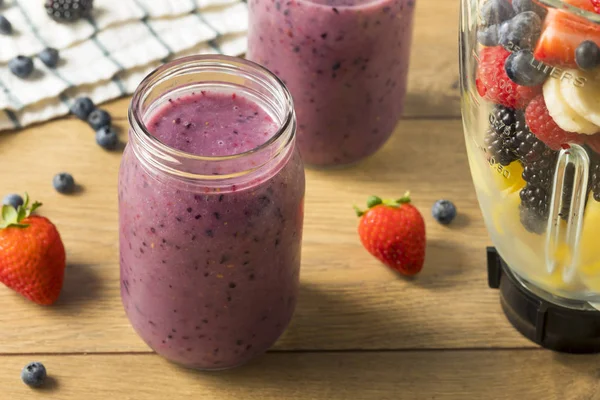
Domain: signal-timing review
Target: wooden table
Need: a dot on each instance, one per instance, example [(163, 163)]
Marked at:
[(359, 332)]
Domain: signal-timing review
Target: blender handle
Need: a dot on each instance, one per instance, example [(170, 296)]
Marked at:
[(576, 156)]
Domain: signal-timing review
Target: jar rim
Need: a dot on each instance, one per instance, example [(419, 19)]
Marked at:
[(216, 60)]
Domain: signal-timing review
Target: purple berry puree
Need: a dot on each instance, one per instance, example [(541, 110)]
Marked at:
[(209, 278), (345, 63)]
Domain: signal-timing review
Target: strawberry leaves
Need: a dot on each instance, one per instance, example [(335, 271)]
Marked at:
[(374, 201), (13, 218)]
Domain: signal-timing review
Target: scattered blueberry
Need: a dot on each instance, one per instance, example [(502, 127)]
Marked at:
[(494, 12), (49, 56), (444, 211), (34, 374), (519, 68), (5, 25), (14, 200), (587, 55), (107, 138), (83, 107), (488, 36), (21, 66), (529, 5), (99, 119), (521, 32), (63, 183)]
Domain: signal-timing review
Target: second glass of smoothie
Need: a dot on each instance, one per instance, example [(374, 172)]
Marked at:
[(211, 193), (345, 63)]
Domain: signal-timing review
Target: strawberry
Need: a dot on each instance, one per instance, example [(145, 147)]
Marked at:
[(562, 33), (493, 84), (596, 5), (32, 255), (545, 129), (394, 232)]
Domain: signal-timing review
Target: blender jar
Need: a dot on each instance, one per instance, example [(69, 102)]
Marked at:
[(530, 89)]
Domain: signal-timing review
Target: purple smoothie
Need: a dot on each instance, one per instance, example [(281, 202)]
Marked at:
[(209, 277), (345, 63)]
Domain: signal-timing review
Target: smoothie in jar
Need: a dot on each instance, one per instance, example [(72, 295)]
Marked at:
[(345, 63), (210, 260)]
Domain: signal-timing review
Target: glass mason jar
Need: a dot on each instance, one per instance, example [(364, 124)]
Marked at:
[(346, 65), (531, 113), (210, 245)]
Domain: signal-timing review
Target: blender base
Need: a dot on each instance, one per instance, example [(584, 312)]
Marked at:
[(548, 324)]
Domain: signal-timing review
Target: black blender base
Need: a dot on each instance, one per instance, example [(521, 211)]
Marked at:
[(548, 324)]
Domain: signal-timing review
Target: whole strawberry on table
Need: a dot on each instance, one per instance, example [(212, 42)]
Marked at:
[(394, 232), (32, 254)]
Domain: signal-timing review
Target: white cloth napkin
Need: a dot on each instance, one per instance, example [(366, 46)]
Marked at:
[(106, 56)]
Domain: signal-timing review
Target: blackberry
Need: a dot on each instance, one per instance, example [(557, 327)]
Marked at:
[(499, 147), (506, 116), (534, 208), (538, 171), (594, 177), (541, 172), (68, 10), (528, 148), (500, 139)]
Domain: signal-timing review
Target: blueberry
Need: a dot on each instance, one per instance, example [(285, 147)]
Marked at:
[(529, 5), (494, 12), (64, 183), (82, 108), (587, 55), (107, 138), (34, 374), (521, 68), (521, 32), (49, 56), (5, 25), (21, 66), (99, 119), (12, 200), (488, 36), (444, 211)]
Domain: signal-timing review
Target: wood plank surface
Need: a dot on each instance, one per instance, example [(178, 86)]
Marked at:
[(464, 375), (433, 73), (347, 300)]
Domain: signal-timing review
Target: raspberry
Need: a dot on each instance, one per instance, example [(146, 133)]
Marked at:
[(544, 128), (494, 85)]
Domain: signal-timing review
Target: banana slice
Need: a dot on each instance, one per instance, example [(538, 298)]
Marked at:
[(583, 99), (562, 113)]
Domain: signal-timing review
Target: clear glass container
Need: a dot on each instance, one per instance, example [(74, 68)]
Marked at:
[(210, 245), (531, 111), (346, 65)]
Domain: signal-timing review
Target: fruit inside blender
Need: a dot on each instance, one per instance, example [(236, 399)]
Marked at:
[(536, 94)]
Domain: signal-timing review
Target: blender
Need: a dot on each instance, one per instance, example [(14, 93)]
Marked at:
[(530, 97)]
